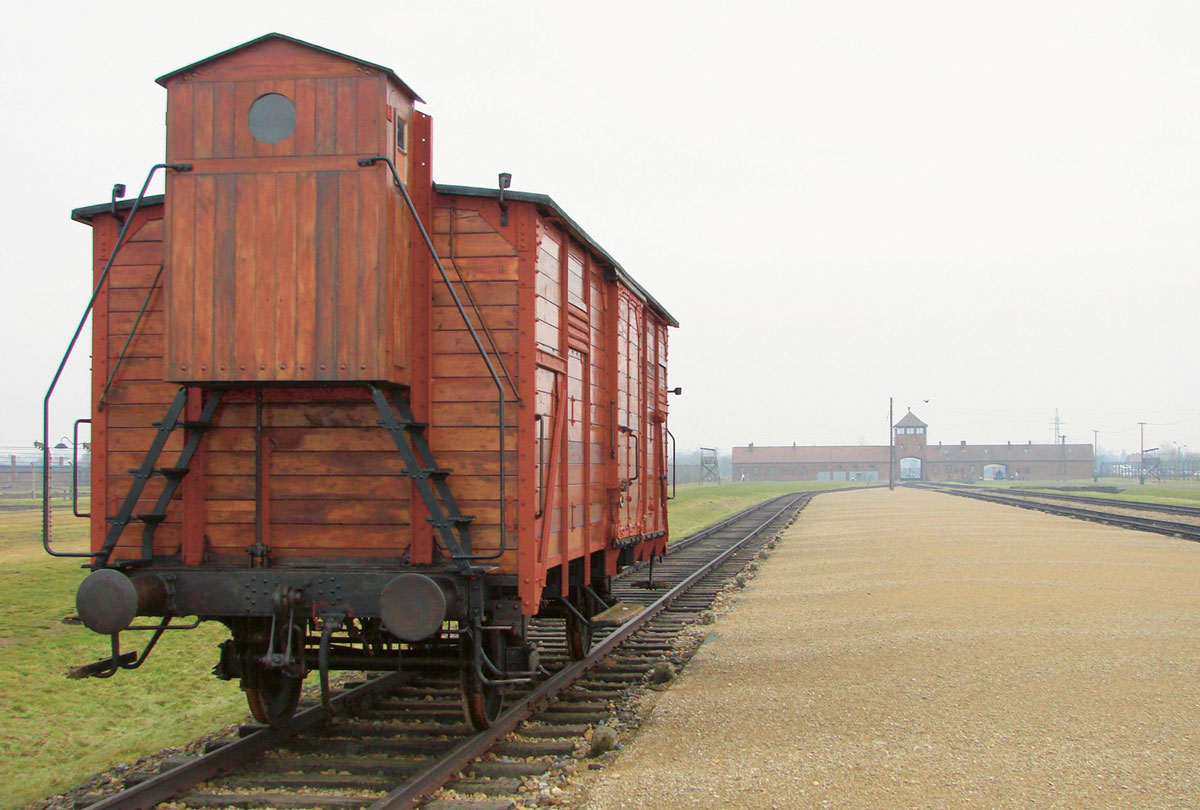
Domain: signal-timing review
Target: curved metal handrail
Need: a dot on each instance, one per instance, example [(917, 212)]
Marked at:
[(412, 208), (137, 204)]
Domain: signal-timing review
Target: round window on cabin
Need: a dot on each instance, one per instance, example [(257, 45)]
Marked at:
[(272, 118)]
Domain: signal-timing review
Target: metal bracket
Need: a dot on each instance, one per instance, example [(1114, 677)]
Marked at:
[(329, 623), (107, 667), (505, 182)]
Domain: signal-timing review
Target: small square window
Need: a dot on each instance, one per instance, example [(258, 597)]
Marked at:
[(401, 134)]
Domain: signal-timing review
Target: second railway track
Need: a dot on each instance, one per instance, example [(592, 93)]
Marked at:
[(1085, 508), (397, 739)]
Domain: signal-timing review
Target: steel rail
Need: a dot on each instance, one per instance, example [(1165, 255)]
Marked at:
[(173, 783), (417, 790), (1166, 508), (1186, 531), (679, 545), (170, 784)]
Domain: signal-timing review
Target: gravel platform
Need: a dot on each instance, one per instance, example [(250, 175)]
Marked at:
[(914, 650)]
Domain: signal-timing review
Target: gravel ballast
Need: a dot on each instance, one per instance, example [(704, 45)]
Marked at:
[(908, 649)]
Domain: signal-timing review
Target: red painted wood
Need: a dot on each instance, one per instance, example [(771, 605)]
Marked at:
[(265, 448), (421, 283), (531, 578), (195, 491), (288, 263), (103, 238), (202, 121)]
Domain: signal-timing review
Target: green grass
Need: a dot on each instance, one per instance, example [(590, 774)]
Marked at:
[(698, 505), (59, 501), (55, 732)]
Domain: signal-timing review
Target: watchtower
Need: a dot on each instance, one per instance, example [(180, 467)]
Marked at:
[(710, 468), (909, 435)]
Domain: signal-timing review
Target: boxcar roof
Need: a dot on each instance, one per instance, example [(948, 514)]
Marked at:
[(545, 202), (810, 454), (87, 213), (168, 76)]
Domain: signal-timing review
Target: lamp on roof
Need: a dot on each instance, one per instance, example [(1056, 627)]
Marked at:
[(505, 182)]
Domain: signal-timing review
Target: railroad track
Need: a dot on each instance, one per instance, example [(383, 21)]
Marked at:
[(1026, 500), (395, 740), (1162, 508)]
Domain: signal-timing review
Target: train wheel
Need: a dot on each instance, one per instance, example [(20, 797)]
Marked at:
[(482, 703), (273, 692), (273, 701), (579, 637)]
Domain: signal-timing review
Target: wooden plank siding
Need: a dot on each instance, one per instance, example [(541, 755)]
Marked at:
[(288, 259), (336, 480), (278, 276), (337, 489), (120, 430), (483, 266), (291, 276)]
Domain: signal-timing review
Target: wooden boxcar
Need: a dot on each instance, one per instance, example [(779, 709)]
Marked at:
[(362, 419)]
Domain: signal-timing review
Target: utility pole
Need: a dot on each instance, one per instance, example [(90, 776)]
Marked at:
[(1142, 456), (891, 449), (1062, 453), (1095, 456)]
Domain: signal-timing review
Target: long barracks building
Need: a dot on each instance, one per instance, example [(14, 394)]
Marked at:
[(916, 460)]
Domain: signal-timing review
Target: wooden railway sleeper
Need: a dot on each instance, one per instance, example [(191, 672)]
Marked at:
[(167, 786)]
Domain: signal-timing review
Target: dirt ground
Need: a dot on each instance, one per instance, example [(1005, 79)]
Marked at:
[(914, 650)]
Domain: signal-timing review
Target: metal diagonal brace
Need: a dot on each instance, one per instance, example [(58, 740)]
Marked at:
[(137, 203), (487, 360)]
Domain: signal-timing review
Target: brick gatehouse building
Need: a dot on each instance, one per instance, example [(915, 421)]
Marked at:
[(916, 460)]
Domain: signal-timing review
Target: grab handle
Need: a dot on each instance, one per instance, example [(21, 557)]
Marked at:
[(541, 420), (75, 469)]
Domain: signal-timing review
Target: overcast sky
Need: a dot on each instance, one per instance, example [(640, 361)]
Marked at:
[(989, 206)]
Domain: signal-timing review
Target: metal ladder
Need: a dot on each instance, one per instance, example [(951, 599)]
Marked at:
[(453, 527), (193, 431)]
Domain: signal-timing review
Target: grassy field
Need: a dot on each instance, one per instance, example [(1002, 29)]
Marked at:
[(698, 505), (56, 732)]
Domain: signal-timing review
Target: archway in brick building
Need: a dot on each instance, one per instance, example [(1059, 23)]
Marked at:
[(910, 469)]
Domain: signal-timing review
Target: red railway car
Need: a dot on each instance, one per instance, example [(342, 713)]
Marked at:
[(362, 419)]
